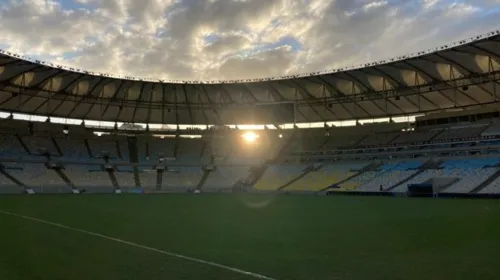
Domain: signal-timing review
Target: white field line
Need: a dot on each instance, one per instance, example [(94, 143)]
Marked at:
[(221, 266)]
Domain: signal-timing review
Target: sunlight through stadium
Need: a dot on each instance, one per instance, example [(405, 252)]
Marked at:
[(272, 140)]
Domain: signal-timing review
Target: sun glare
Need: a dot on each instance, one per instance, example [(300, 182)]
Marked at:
[(250, 136)]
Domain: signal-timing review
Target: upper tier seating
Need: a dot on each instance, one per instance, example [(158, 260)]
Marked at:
[(10, 146), (415, 136), (462, 132), (189, 151), (37, 144), (102, 147), (378, 139), (152, 148), (72, 149)]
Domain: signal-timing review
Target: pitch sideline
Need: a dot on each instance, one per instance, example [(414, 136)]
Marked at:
[(209, 263)]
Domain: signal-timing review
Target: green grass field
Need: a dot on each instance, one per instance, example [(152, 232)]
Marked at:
[(285, 237)]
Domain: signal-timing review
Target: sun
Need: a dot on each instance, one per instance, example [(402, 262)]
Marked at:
[(250, 136)]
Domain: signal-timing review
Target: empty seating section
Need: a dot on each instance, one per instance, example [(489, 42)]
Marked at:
[(471, 173), (324, 177), (222, 147), (102, 147), (189, 151), (37, 144), (225, 177), (387, 175), (7, 186), (125, 179), (493, 187), (154, 148), (88, 176), (419, 179), (461, 132), (378, 139), (335, 141), (492, 129), (415, 136), (148, 178), (10, 146), (124, 152), (276, 176), (182, 177), (73, 149), (35, 175)]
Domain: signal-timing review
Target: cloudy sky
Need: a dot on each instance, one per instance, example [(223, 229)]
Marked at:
[(232, 39)]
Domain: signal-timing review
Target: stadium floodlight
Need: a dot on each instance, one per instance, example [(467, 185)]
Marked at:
[(250, 136)]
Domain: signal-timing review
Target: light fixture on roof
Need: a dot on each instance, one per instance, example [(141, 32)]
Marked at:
[(66, 130)]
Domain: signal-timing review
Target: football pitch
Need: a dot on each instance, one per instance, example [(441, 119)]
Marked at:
[(197, 237)]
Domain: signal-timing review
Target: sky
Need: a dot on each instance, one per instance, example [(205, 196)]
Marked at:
[(234, 39)]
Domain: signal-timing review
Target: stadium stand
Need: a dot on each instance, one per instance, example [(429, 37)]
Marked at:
[(325, 176), (276, 176), (225, 177), (182, 177), (386, 176), (357, 136)]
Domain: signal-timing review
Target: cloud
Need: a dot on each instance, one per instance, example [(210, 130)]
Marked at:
[(234, 39)]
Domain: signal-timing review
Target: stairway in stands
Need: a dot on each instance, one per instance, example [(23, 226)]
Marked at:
[(203, 179), (64, 177), (488, 181), (257, 172), (306, 171), (430, 164), (159, 179), (370, 167), (10, 177), (134, 158), (114, 182)]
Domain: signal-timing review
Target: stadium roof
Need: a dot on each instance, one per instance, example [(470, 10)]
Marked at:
[(460, 75)]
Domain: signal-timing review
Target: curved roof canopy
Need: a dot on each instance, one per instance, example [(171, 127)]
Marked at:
[(460, 75)]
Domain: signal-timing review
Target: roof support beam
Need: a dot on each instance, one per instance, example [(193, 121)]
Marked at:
[(370, 89), (198, 101), (175, 106), (226, 93), (216, 112), (188, 104), (85, 97), (402, 86), (138, 101), (309, 96), (114, 96), (249, 92), (433, 79), (275, 93), (164, 101), (338, 92), (150, 103), (464, 71)]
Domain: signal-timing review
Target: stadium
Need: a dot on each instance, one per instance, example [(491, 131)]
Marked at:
[(296, 177)]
